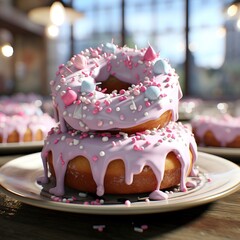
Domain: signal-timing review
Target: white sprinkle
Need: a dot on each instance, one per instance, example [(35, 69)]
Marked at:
[(75, 142), (58, 87), (138, 229), (146, 114), (82, 194), (117, 109), (105, 139), (102, 153), (81, 146), (81, 124)]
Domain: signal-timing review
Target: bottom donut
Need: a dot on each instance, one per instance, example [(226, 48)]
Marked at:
[(104, 163)]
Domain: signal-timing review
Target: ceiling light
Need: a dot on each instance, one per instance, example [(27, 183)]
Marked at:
[(47, 15)]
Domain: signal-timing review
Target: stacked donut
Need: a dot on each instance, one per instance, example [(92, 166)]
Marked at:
[(117, 109)]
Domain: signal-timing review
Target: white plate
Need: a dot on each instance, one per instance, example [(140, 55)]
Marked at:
[(21, 147), (18, 180), (221, 151)]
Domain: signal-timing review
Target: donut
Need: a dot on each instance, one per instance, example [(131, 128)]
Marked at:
[(217, 131), (115, 88), (24, 128), (108, 163)]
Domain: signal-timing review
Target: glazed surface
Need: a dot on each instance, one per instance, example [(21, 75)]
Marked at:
[(148, 148), (81, 102), (22, 123), (224, 128)]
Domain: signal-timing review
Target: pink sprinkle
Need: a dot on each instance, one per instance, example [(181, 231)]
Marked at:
[(100, 123), (97, 103), (106, 102), (122, 98), (148, 143), (134, 140), (127, 203), (62, 160), (144, 227), (122, 91), (140, 108), (148, 104), (109, 110), (122, 117), (56, 141), (138, 148), (114, 144), (143, 89), (95, 110), (95, 158)]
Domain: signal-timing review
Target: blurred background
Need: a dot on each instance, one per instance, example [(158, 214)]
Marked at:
[(200, 38)]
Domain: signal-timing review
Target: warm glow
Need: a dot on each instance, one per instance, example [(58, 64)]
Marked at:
[(221, 32), (232, 10), (238, 24), (52, 31), (7, 50), (57, 13)]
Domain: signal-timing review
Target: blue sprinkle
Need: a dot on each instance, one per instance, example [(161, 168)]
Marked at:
[(109, 48), (152, 92), (161, 67), (87, 86)]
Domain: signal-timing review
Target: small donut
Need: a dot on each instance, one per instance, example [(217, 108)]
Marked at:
[(115, 88), (24, 128), (217, 131), (120, 163)]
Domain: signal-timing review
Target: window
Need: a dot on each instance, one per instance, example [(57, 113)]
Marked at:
[(214, 52)]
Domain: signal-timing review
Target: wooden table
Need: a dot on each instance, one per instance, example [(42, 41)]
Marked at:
[(217, 220)]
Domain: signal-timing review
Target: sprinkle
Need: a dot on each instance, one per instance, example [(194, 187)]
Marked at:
[(105, 139), (82, 194), (138, 229), (122, 117), (109, 110), (94, 158), (144, 227), (117, 109), (127, 203), (102, 153), (99, 227), (100, 123), (138, 148)]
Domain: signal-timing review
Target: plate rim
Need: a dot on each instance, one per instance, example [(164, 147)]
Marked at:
[(223, 151), (120, 209)]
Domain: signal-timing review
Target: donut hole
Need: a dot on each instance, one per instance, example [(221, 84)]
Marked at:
[(113, 83)]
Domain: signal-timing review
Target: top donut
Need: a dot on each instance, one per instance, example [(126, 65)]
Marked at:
[(115, 88)]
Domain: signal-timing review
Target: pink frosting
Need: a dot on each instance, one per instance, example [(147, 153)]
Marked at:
[(224, 127), (80, 102), (21, 123), (148, 148)]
